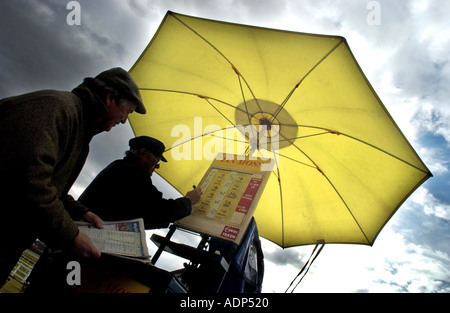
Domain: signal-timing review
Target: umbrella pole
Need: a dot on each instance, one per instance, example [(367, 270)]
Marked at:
[(306, 266)]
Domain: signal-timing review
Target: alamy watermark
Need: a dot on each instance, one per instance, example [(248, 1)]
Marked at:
[(74, 16), (74, 276), (374, 16), (228, 141)]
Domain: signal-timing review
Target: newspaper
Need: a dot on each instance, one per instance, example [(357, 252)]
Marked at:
[(119, 238)]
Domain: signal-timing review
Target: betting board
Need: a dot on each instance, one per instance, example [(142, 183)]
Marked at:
[(231, 189)]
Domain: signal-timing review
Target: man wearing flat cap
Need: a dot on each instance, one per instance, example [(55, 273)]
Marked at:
[(44, 143), (124, 189)]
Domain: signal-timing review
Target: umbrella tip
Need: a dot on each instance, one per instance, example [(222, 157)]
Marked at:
[(236, 70)]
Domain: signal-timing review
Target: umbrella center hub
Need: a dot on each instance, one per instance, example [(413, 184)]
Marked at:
[(280, 126), (265, 122)]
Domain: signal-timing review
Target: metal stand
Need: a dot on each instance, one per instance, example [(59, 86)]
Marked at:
[(163, 244), (206, 270)]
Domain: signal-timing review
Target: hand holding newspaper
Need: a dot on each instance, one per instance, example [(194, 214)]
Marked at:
[(120, 238)]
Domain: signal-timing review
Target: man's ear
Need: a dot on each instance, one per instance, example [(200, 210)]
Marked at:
[(109, 99), (142, 151)]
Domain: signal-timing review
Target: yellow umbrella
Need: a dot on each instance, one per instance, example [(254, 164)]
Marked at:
[(342, 166)]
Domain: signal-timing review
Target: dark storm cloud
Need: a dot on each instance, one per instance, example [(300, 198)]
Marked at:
[(40, 50), (32, 53)]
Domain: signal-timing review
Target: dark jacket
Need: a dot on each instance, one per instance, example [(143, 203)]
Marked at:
[(124, 190), (44, 143)]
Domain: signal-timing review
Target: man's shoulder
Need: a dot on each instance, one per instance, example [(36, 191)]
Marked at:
[(125, 172), (44, 94), (45, 100), (57, 97), (123, 165)]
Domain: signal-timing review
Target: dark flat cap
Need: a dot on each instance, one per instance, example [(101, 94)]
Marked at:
[(151, 144), (121, 80)]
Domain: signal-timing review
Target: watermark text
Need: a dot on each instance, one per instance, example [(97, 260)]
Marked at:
[(214, 142), (74, 16), (374, 16)]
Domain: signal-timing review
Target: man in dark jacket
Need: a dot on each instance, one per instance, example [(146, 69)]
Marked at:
[(124, 189), (44, 143)]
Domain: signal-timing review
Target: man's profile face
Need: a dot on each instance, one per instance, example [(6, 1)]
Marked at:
[(116, 113)]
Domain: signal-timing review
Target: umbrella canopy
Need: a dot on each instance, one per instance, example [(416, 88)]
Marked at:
[(342, 165)]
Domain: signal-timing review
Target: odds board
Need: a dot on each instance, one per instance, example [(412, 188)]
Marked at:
[(231, 190)]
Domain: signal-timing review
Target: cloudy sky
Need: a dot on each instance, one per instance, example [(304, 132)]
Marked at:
[(402, 46)]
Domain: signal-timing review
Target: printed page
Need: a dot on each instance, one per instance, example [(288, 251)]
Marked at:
[(125, 238)]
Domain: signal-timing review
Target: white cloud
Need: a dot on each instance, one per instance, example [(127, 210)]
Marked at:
[(437, 160), (430, 204), (391, 265)]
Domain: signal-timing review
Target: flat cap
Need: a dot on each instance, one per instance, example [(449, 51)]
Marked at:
[(121, 80), (151, 144)]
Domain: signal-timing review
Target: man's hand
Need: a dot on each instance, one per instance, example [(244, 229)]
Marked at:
[(83, 247), (194, 195), (92, 218)]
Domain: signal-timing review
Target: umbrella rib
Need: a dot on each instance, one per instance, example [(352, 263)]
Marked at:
[(248, 86), (334, 187), (281, 203), (207, 98), (249, 149), (232, 66), (329, 131), (210, 132), (337, 192), (302, 79), (223, 56), (348, 209), (307, 136), (383, 151), (366, 143), (296, 161), (202, 135), (331, 184), (192, 94), (329, 181), (243, 98), (203, 38), (278, 175)]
